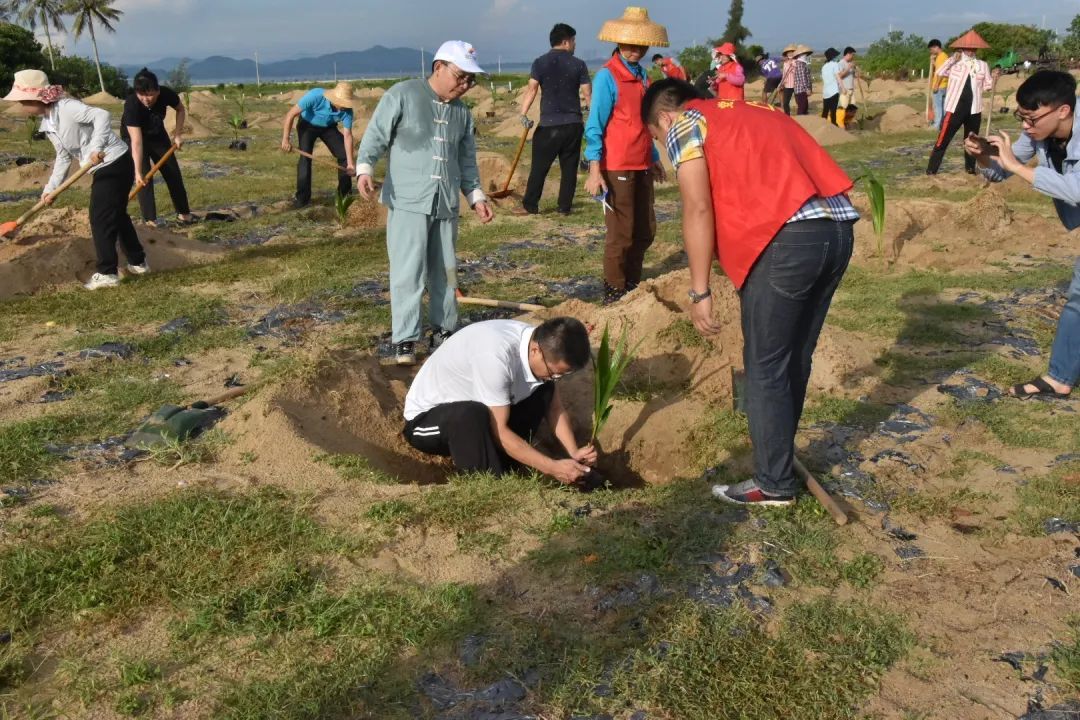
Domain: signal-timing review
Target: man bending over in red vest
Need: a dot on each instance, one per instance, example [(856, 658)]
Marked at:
[(785, 253)]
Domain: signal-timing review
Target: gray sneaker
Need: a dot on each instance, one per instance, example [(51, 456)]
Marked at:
[(438, 337), (403, 353)]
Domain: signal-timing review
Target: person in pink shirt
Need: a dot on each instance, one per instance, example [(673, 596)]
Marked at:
[(730, 77), (968, 78)]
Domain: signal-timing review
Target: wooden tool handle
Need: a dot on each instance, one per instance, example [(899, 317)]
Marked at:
[(226, 396), (517, 159), (820, 493), (524, 307), (157, 166), (63, 186), (323, 161)]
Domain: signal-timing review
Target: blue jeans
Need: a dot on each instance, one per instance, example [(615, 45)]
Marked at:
[(784, 303), (1065, 357), (939, 107)]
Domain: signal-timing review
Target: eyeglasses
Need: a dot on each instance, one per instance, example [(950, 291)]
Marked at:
[(552, 375), (1030, 121), (466, 79)]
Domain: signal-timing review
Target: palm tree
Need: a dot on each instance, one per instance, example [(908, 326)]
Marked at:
[(49, 12), (86, 12)]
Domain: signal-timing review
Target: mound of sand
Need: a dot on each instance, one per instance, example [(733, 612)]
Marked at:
[(899, 118), (511, 127), (354, 405), (987, 212), (823, 131), (291, 97), (366, 214), (494, 169), (884, 90), (33, 176), (55, 248), (102, 98)]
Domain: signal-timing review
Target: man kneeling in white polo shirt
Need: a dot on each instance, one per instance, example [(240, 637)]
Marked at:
[(483, 394)]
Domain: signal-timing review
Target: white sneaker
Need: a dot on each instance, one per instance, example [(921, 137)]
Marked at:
[(102, 281), (139, 269)]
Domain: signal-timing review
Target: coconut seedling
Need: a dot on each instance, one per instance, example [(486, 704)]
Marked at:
[(31, 130), (342, 203), (875, 191), (609, 364)]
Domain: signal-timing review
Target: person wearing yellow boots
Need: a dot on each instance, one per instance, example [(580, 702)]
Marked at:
[(623, 164)]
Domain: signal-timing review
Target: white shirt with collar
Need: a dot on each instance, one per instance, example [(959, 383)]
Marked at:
[(486, 362), (77, 131)]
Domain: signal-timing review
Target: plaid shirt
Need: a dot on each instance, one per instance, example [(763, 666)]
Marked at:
[(686, 141), (803, 83)]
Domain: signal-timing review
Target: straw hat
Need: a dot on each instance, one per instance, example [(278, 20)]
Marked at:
[(342, 96), (28, 85), (789, 49), (970, 40), (634, 28), (803, 50)]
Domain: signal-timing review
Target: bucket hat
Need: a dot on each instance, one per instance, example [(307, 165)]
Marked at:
[(28, 85)]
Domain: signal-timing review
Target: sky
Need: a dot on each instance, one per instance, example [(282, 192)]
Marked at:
[(516, 30)]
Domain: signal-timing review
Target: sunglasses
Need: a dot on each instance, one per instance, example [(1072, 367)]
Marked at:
[(1031, 121)]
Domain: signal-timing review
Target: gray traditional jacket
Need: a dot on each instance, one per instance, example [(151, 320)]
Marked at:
[(432, 151)]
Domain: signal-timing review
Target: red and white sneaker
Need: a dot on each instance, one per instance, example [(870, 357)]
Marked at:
[(748, 493)]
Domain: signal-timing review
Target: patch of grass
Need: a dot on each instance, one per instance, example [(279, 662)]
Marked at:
[(845, 411), (683, 333), (931, 505), (964, 461), (803, 540), (174, 551), (644, 389), (1056, 494), (722, 665), (665, 531), (863, 570), (1066, 655), (469, 500), (483, 543), (1020, 424), (138, 672), (721, 432), (357, 467), (204, 449), (392, 512)]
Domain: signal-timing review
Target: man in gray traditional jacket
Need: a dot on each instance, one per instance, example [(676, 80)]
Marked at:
[(428, 133)]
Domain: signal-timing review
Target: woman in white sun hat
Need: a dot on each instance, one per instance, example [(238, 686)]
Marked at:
[(84, 134)]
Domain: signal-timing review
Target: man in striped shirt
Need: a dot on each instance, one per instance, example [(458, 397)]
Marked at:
[(785, 251)]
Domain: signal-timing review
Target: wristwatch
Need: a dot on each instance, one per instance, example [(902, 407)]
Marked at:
[(696, 297)]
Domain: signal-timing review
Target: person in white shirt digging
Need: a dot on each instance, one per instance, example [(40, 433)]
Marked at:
[(84, 134), (486, 390)]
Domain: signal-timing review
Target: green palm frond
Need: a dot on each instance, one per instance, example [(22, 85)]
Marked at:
[(609, 365)]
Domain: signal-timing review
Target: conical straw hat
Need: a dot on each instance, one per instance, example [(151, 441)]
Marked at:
[(634, 28), (789, 49), (970, 40), (342, 96)]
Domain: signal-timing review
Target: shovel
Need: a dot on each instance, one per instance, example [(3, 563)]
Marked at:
[(10, 227), (464, 299), (505, 192), (322, 161), (820, 493), (146, 178), (175, 424)]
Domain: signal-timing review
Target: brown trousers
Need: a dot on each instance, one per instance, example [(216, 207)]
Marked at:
[(631, 228)]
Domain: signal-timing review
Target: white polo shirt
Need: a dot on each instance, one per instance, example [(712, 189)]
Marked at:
[(486, 362)]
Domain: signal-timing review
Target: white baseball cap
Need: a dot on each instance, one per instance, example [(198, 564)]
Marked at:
[(459, 53)]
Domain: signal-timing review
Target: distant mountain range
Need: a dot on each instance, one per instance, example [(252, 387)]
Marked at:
[(373, 62)]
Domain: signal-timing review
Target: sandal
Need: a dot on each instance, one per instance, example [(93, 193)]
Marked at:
[(1042, 388)]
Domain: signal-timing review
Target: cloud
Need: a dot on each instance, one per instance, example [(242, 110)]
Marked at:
[(502, 8)]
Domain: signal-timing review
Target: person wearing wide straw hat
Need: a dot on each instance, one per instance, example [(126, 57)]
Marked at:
[(730, 77), (804, 85), (428, 134), (320, 112), (84, 134), (788, 83), (623, 164), (968, 78)]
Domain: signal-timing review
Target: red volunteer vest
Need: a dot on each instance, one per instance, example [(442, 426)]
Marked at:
[(627, 144), (671, 70), (763, 167)]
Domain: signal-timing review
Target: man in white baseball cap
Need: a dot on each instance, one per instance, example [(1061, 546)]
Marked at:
[(429, 136)]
